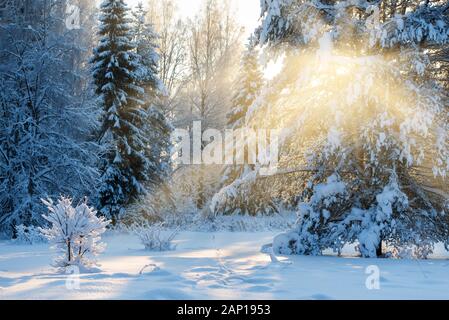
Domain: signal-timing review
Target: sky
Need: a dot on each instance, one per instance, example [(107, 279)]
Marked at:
[(247, 11)]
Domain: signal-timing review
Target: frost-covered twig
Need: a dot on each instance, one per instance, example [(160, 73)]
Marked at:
[(154, 238)]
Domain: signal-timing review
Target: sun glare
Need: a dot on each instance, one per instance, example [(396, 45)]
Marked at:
[(273, 68), (343, 90)]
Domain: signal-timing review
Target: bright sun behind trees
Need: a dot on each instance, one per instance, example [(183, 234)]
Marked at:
[(328, 121), (370, 123), (216, 149)]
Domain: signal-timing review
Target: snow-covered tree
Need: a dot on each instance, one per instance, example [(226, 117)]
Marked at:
[(372, 127), (75, 232), (213, 41), (46, 114), (247, 86), (157, 128), (117, 74), (240, 191), (391, 22), (146, 42)]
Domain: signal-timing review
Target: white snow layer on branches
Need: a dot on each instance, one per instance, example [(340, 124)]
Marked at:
[(29, 235), (383, 117), (154, 236), (302, 22), (75, 232)]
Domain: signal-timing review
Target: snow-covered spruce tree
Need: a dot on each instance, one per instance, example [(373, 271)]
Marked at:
[(46, 116), (117, 71), (157, 127), (247, 86), (146, 39), (374, 127), (238, 180), (75, 232)]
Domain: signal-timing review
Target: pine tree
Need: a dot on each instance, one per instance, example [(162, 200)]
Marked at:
[(157, 128), (238, 181), (373, 126), (246, 87), (146, 39), (116, 73)]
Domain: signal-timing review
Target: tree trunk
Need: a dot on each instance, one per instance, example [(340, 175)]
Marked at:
[(200, 197), (379, 250), (69, 251)]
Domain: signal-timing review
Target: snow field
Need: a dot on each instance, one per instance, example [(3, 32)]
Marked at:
[(219, 265)]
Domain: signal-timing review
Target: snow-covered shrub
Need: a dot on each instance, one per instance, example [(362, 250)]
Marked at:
[(244, 223), (421, 251), (424, 250), (309, 237), (287, 243), (29, 235), (330, 220), (381, 222), (154, 237), (75, 232), (329, 197)]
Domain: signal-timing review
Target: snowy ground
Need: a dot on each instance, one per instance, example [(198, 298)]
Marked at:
[(220, 265)]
